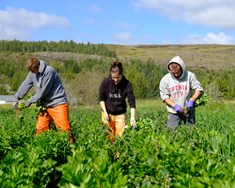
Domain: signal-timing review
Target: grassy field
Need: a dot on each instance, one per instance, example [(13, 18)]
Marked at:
[(200, 156)]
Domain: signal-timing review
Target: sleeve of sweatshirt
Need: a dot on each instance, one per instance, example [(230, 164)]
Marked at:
[(163, 87), (131, 96), (26, 85), (46, 85), (195, 84), (102, 95)]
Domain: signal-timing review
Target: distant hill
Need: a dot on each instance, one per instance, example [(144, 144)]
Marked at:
[(215, 57)]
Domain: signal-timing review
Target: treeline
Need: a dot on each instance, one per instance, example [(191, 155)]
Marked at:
[(61, 46)]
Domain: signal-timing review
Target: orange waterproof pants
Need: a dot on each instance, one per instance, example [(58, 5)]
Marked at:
[(60, 116), (116, 124)]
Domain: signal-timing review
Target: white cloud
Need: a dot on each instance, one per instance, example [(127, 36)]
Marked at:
[(209, 38), (216, 13), (18, 23), (220, 17)]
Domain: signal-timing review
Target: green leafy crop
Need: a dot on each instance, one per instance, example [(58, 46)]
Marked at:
[(202, 100)]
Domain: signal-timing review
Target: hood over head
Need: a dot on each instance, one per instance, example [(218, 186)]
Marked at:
[(180, 62)]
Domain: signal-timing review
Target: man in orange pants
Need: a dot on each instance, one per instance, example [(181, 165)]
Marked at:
[(49, 92)]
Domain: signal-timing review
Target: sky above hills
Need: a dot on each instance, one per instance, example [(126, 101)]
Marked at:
[(126, 22)]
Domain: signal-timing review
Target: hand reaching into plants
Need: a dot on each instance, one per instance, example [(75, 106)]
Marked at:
[(132, 121), (189, 104), (133, 124), (15, 105)]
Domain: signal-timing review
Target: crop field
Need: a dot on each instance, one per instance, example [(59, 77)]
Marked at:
[(199, 156)]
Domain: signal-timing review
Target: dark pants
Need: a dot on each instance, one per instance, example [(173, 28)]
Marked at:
[(174, 120)]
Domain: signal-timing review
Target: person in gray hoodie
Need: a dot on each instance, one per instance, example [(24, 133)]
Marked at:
[(179, 89), (50, 94)]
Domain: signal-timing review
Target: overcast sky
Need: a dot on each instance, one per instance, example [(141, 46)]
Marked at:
[(128, 22)]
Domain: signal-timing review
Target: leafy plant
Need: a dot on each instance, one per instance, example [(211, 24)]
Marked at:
[(41, 110), (199, 156), (202, 100)]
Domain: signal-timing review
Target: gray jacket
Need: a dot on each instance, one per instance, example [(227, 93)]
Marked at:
[(49, 88), (178, 90)]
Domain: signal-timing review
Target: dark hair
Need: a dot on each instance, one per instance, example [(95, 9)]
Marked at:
[(32, 63), (116, 67)]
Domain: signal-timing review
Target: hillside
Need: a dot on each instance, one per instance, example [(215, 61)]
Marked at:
[(215, 57), (212, 57)]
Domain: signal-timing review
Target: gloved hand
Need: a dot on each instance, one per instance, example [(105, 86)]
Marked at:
[(177, 108), (189, 104), (106, 116), (27, 104), (15, 104)]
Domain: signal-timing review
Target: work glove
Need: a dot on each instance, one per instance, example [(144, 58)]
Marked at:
[(27, 104), (15, 104), (189, 104), (177, 108)]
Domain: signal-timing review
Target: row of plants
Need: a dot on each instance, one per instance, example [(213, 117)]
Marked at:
[(199, 156)]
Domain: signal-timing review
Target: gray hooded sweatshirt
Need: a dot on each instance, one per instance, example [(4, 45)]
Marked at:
[(180, 89), (49, 89)]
